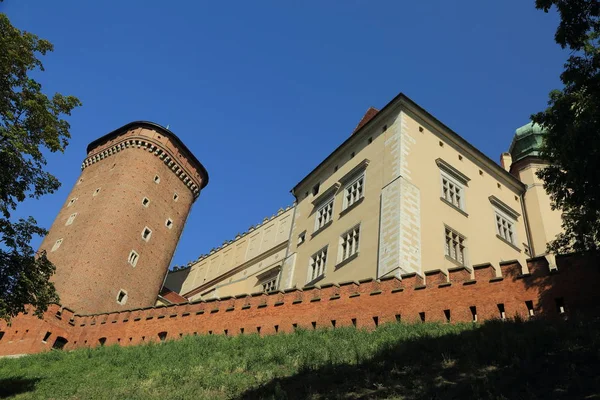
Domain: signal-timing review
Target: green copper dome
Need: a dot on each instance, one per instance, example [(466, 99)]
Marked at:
[(527, 141)]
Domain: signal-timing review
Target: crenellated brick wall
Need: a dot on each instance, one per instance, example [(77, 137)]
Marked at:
[(460, 296)]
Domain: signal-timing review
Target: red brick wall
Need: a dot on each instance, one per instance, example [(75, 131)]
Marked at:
[(92, 261), (576, 282)]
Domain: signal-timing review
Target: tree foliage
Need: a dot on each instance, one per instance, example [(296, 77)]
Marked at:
[(572, 123), (30, 123)]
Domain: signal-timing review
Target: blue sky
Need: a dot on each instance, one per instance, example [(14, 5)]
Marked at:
[(262, 91)]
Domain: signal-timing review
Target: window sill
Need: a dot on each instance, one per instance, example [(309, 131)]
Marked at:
[(346, 261), (508, 243), (453, 261), (350, 208), (312, 283), (454, 207), (315, 233)]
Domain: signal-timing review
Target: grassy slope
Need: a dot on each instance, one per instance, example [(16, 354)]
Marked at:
[(494, 360)]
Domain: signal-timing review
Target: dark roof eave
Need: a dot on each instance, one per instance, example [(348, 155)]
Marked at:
[(166, 132)]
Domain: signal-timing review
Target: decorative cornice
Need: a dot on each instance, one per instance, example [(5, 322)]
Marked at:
[(148, 145)]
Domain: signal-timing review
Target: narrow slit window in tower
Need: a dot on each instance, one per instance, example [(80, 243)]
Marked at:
[(122, 297), (145, 201), (71, 219), (156, 179), (57, 244), (146, 233), (169, 223), (133, 258)]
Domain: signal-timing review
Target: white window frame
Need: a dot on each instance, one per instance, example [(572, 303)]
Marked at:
[(457, 184), (505, 212), (355, 244), (512, 224), (56, 245), (71, 219), (135, 260), (322, 267), (272, 279), (448, 250), (329, 202), (149, 235), (147, 203), (156, 179), (358, 177)]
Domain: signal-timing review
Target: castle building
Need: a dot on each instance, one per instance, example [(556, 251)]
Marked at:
[(402, 195), (403, 221), (114, 238)]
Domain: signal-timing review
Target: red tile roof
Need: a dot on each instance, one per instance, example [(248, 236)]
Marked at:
[(371, 112), (171, 296)]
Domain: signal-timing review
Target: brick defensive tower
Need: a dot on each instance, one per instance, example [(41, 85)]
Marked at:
[(113, 240)]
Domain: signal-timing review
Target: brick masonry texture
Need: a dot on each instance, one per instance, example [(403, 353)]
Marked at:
[(366, 304), (92, 261)]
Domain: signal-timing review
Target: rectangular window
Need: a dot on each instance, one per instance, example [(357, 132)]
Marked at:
[(452, 191), (324, 214), (71, 219), (317, 264), (505, 227), (169, 223), (354, 191), (146, 233), (455, 246), (349, 243), (122, 297), (301, 238), (133, 258), (270, 284), (57, 244)]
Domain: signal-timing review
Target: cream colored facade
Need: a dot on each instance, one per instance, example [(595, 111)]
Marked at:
[(243, 265), (403, 194)]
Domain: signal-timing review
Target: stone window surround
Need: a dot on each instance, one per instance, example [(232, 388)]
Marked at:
[(144, 236), (122, 297), (464, 254), (136, 257), (147, 144), (56, 244), (71, 219), (356, 244), (318, 254)]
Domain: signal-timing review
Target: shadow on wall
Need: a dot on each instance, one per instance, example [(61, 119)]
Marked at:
[(560, 291), (497, 360), (13, 386)]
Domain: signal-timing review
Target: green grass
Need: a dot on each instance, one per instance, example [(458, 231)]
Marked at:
[(495, 360)]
